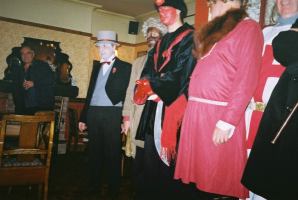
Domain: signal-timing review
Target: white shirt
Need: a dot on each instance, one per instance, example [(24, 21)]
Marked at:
[(106, 66)]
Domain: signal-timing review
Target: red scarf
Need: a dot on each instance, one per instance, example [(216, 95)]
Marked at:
[(171, 124), (173, 113)]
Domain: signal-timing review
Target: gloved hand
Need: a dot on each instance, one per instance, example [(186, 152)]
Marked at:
[(142, 92)]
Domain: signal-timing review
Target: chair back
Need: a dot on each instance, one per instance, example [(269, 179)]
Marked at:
[(25, 154)]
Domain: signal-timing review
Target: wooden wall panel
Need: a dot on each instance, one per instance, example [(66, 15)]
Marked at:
[(201, 13)]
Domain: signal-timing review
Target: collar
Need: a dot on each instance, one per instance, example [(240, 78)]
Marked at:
[(286, 21), (217, 29)]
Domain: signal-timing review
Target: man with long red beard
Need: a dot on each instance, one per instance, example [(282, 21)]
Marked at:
[(163, 90)]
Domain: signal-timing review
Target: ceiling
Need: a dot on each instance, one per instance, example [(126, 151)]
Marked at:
[(126, 7)]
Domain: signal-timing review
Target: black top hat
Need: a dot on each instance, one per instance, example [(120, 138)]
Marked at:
[(178, 4)]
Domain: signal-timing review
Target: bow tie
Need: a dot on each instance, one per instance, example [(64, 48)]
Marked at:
[(105, 62)]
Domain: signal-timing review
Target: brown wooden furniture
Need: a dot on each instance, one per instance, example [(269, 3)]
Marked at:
[(25, 158), (76, 140)]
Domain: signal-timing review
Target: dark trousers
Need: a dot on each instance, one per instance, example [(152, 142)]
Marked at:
[(153, 179), (104, 146)]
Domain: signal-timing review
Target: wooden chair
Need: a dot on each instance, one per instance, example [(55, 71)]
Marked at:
[(25, 158), (73, 131)]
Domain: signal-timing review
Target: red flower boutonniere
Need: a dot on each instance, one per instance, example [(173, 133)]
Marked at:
[(166, 53), (159, 2), (114, 70)]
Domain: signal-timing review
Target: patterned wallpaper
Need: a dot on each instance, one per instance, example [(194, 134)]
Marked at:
[(76, 46), (254, 10), (271, 14), (126, 53), (81, 49)]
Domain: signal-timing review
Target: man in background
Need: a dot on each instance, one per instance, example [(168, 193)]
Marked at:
[(33, 84)]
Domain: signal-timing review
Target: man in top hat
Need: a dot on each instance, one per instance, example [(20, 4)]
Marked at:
[(163, 90), (102, 113)]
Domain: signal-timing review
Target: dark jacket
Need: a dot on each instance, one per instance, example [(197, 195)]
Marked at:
[(41, 95), (115, 87), (170, 79)]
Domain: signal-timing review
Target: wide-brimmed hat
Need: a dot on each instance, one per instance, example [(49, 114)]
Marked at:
[(178, 4), (106, 37)]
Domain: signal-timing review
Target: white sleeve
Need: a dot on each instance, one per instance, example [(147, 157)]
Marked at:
[(225, 127)]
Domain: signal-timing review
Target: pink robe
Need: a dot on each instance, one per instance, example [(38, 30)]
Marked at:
[(228, 74)]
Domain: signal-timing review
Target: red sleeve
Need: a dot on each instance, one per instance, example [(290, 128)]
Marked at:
[(248, 51)]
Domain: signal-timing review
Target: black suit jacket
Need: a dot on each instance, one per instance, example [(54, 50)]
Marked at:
[(43, 78), (116, 85)]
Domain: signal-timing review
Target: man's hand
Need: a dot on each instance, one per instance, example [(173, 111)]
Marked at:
[(82, 126), (125, 126), (28, 84), (220, 136)]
